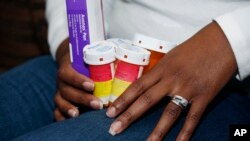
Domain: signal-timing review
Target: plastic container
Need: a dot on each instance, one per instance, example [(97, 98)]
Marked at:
[(117, 42), (130, 62), (86, 26), (158, 48), (100, 57)]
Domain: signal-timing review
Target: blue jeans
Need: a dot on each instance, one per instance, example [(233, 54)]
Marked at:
[(26, 112)]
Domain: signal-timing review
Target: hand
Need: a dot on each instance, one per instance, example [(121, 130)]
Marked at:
[(196, 70), (73, 88)]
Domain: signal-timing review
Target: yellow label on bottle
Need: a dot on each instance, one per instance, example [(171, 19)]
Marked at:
[(119, 86), (103, 89)]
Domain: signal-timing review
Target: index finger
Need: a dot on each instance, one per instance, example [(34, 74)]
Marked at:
[(72, 77), (132, 93), (139, 107)]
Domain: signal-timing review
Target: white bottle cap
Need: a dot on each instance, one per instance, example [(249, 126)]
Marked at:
[(99, 53), (118, 41), (152, 43), (132, 54)]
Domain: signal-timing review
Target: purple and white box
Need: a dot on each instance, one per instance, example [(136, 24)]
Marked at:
[(86, 25)]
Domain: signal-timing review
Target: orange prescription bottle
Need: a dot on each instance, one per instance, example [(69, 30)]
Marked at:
[(100, 57), (129, 67), (158, 48)]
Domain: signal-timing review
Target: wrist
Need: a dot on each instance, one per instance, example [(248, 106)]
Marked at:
[(218, 52)]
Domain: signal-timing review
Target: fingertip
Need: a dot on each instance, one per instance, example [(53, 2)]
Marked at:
[(73, 112), (112, 132), (111, 112), (96, 104), (89, 86), (115, 128)]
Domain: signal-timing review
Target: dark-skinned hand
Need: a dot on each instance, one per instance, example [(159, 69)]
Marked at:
[(196, 70), (74, 89)]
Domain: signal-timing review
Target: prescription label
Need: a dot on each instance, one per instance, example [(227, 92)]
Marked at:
[(126, 71), (103, 89), (119, 86), (100, 73)]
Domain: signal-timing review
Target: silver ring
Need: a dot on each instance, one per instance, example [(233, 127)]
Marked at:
[(180, 101)]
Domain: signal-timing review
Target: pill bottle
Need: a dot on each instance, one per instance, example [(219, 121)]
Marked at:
[(130, 62), (100, 57), (117, 41), (158, 48)]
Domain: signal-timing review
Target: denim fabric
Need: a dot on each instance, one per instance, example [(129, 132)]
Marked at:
[(26, 97), (26, 109)]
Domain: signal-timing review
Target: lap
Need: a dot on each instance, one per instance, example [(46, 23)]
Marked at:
[(26, 97), (26, 104), (227, 108)]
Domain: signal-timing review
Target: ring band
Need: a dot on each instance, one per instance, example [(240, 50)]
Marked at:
[(180, 101)]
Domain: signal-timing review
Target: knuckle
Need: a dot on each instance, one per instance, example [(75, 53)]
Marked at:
[(56, 99), (186, 133), (145, 99), (83, 99), (126, 117), (63, 91), (178, 74), (203, 87), (75, 80), (120, 103), (194, 117), (138, 86), (181, 75), (198, 86), (61, 72), (193, 82), (172, 112), (159, 134)]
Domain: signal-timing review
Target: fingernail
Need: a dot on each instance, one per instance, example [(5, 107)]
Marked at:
[(95, 104), (111, 112), (88, 86), (153, 138), (115, 128), (73, 113), (112, 132)]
